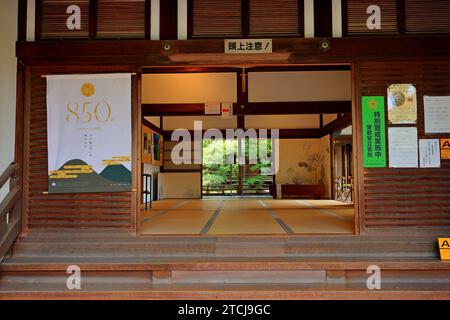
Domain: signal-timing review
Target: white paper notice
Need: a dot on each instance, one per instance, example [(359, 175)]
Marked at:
[(227, 109), (212, 108), (403, 149), (437, 114), (430, 153)]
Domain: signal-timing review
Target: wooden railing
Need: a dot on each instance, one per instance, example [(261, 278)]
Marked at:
[(10, 209)]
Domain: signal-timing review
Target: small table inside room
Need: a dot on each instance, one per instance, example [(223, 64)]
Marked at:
[(288, 193)]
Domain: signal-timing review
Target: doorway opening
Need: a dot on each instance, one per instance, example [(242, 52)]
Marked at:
[(228, 170), (202, 185)]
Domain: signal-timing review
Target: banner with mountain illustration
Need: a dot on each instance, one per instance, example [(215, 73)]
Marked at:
[(89, 133)]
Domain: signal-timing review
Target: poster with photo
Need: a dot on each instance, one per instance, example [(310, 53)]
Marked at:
[(402, 104)]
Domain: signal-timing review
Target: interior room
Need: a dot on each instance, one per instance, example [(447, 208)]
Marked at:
[(303, 121)]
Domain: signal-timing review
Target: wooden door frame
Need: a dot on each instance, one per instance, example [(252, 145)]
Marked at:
[(355, 116)]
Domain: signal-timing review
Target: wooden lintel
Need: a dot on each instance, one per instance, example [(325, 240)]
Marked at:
[(201, 52), (251, 108), (314, 107), (282, 133)]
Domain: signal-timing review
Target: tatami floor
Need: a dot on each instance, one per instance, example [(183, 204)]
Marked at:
[(247, 216)]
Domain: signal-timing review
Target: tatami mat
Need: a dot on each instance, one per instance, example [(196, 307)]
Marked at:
[(177, 222), (313, 221), (247, 216), (245, 222)]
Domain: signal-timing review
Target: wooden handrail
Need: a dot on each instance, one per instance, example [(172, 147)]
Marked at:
[(9, 172), (10, 209)]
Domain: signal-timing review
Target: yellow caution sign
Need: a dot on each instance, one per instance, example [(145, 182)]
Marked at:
[(444, 248), (445, 149)]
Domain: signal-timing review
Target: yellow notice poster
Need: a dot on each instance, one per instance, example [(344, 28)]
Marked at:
[(402, 104), (445, 149), (444, 248)]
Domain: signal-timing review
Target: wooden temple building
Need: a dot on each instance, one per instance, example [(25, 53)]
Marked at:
[(351, 198)]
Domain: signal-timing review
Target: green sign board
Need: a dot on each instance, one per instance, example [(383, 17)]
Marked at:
[(374, 132)]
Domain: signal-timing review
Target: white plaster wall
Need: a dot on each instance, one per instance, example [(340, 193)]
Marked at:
[(8, 67), (299, 86), (208, 122), (177, 185), (294, 151), (189, 87)]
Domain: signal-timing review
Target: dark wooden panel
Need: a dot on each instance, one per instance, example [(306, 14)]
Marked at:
[(216, 18), (168, 20), (53, 17), (323, 21), (22, 23), (121, 18), (275, 18), (395, 198), (94, 210), (431, 16), (356, 13)]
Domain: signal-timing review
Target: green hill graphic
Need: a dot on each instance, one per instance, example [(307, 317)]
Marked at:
[(113, 178), (117, 173), (73, 162)]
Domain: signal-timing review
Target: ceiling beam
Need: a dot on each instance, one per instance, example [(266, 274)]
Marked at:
[(282, 133), (251, 108), (338, 124), (312, 107)]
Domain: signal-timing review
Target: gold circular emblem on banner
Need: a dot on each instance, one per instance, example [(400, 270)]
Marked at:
[(88, 90)]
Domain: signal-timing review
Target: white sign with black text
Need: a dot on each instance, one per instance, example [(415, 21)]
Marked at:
[(430, 153), (248, 46), (403, 149), (437, 114)]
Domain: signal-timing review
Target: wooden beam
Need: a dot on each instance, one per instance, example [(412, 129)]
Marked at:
[(241, 121), (251, 108), (283, 133), (338, 124), (299, 133), (182, 109), (314, 107), (151, 126), (287, 51)]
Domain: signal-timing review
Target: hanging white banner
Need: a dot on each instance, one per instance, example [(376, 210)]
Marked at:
[(89, 133)]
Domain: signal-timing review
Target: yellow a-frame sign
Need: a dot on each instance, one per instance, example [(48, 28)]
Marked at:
[(444, 248)]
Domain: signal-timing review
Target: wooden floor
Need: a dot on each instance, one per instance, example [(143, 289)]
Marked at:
[(247, 216)]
